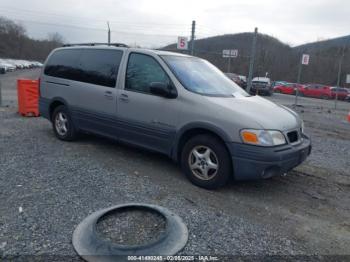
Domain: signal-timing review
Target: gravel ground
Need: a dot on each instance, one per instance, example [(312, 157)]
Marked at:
[(47, 187), (131, 227)]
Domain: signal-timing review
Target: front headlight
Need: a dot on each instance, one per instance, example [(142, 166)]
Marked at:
[(263, 137)]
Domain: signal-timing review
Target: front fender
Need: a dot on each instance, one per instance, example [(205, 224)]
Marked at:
[(192, 126)]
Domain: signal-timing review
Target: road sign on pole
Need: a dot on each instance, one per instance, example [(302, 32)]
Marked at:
[(229, 53), (182, 43), (232, 53), (306, 59)]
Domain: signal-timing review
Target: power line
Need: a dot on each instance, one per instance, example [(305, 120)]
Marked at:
[(90, 19), (95, 29)]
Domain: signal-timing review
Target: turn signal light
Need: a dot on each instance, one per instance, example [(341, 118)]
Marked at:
[(249, 137)]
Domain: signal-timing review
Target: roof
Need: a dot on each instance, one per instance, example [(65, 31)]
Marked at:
[(120, 47)]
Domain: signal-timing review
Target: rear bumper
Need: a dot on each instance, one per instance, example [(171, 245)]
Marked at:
[(254, 162), (264, 91), (44, 107)]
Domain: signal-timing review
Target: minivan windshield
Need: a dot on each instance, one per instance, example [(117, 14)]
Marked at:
[(200, 76)]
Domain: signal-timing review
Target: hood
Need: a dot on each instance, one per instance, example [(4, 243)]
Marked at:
[(258, 110)]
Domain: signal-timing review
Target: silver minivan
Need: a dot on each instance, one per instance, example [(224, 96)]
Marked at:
[(175, 104)]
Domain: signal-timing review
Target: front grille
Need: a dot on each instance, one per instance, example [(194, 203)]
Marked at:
[(293, 136)]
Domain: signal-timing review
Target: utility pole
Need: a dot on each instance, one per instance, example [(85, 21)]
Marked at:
[(298, 80), (109, 34), (339, 75), (252, 59), (0, 95), (229, 65), (193, 32)]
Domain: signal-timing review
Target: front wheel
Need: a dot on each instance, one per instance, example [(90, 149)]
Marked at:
[(206, 162)]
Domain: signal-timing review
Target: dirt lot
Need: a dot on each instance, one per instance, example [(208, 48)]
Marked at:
[(47, 187)]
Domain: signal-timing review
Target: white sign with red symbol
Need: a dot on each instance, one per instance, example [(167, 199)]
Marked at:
[(230, 53), (182, 43), (306, 59)]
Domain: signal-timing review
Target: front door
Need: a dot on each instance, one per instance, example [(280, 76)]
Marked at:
[(145, 119)]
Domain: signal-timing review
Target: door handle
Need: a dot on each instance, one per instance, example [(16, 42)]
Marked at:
[(124, 98), (109, 94)]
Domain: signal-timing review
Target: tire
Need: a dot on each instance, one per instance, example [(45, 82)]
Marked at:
[(216, 156), (62, 124), (325, 97)]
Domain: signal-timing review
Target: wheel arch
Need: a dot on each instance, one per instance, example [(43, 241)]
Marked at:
[(55, 102), (191, 130)]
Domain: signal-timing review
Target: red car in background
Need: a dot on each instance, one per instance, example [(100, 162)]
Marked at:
[(288, 88), (317, 91)]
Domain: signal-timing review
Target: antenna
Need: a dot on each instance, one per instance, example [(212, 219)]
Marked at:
[(109, 34)]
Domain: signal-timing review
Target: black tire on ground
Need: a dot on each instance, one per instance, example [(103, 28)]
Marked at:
[(325, 97), (72, 132), (224, 172)]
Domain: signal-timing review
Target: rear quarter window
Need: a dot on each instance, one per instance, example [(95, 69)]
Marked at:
[(64, 64), (93, 66)]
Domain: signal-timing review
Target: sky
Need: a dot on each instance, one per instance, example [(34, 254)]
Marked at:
[(155, 23)]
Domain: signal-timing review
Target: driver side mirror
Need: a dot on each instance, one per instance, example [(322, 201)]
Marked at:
[(162, 89)]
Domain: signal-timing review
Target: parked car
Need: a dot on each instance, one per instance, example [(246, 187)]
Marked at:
[(339, 93), (261, 86), (14, 64), (238, 79), (2, 69), (175, 104), (243, 81), (278, 83), (8, 67), (347, 98), (317, 91), (288, 88)]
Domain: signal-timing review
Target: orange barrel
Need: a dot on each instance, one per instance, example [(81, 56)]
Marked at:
[(28, 97)]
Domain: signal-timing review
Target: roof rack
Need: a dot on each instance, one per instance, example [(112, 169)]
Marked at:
[(97, 44)]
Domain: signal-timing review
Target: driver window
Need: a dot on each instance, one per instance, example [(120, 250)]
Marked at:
[(143, 70)]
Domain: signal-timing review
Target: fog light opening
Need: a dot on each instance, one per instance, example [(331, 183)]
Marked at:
[(271, 171)]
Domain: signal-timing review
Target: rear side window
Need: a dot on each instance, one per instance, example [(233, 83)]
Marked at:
[(100, 67), (93, 66), (64, 64)]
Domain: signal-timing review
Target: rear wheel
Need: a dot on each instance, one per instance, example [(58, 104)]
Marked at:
[(63, 125), (206, 162), (325, 97)]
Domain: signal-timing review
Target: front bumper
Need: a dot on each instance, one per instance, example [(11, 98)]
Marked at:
[(255, 162), (261, 90)]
